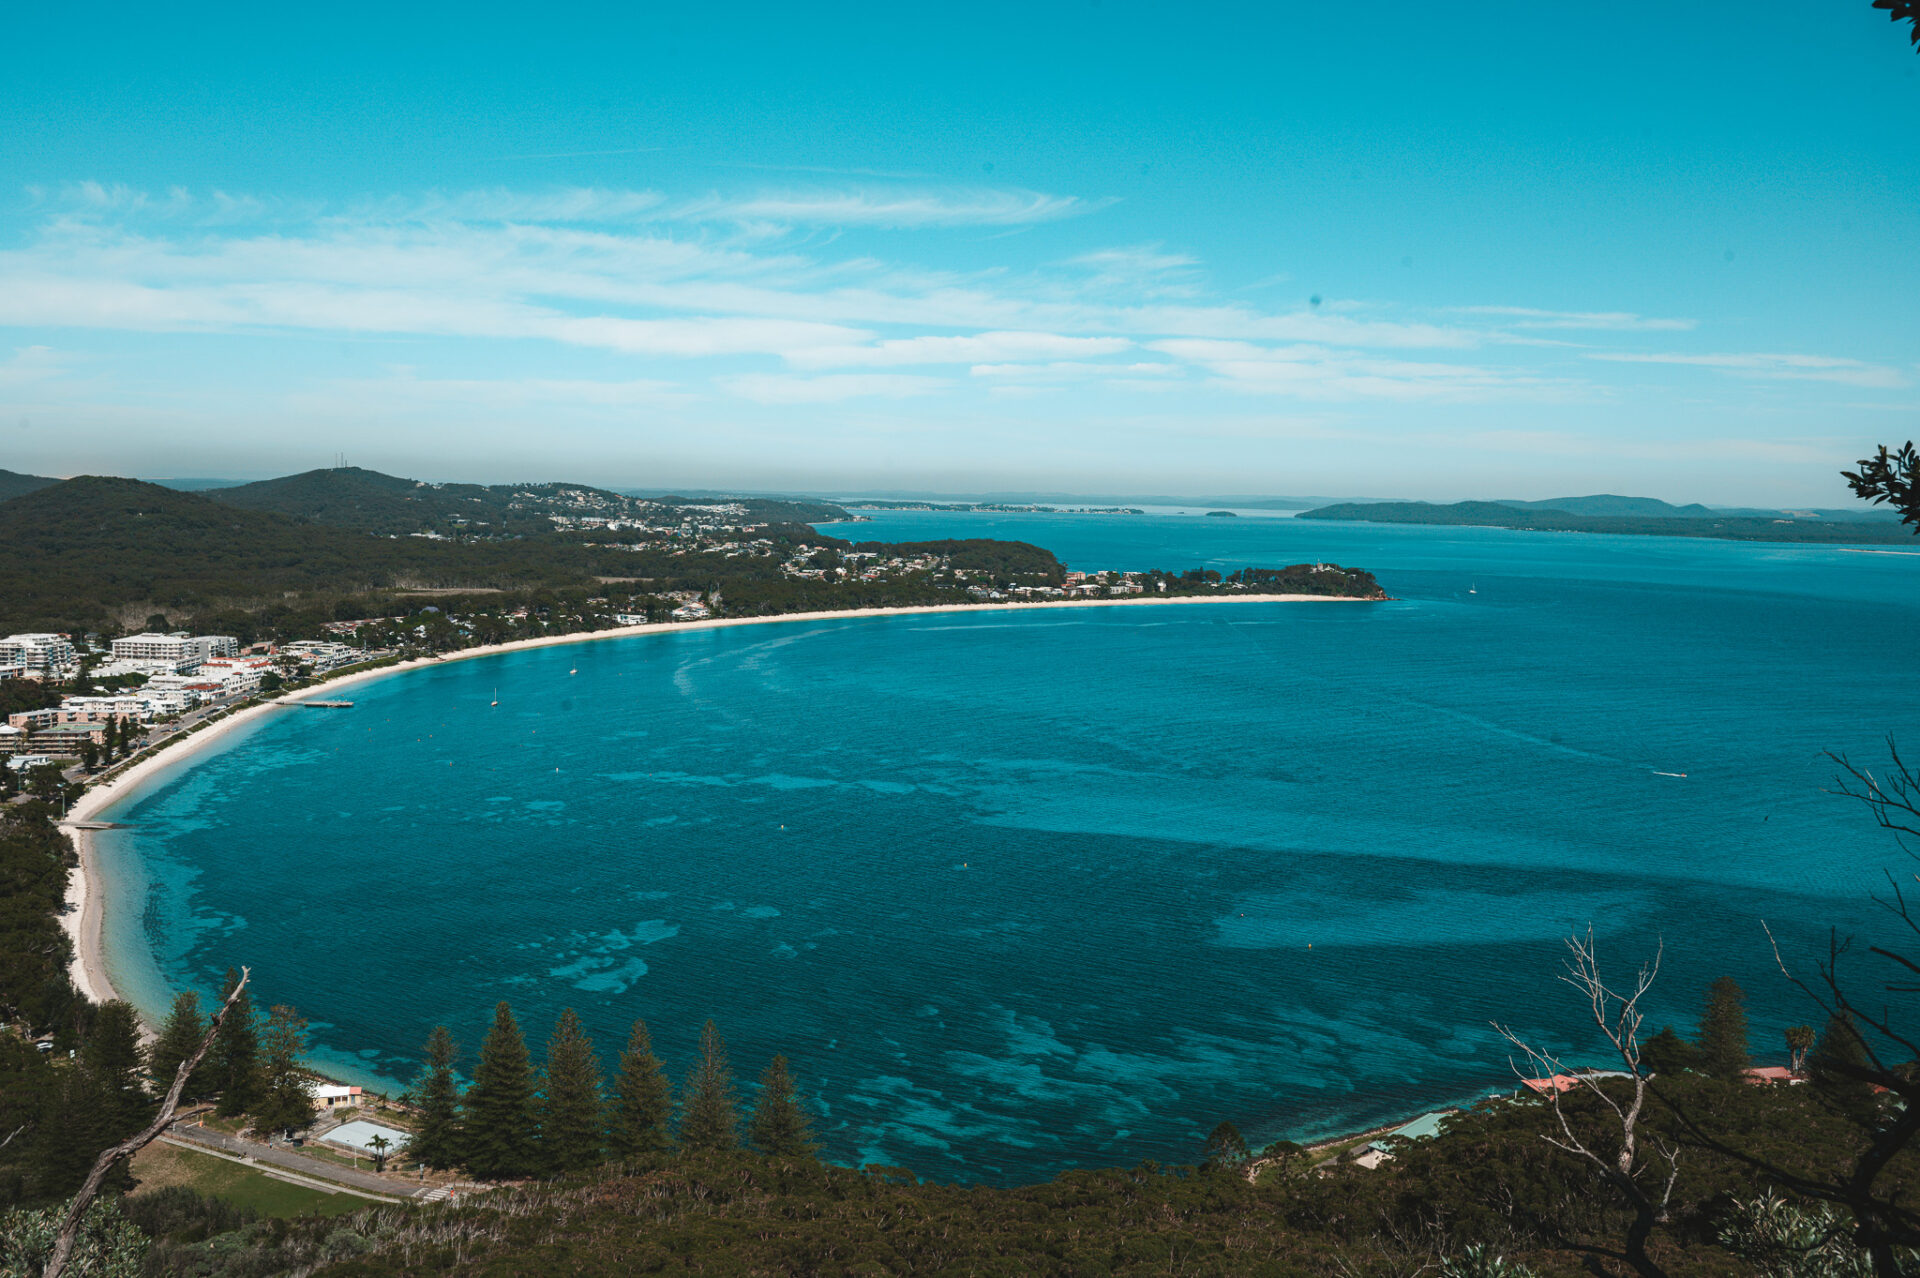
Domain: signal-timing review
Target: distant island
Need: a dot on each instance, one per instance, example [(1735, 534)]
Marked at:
[(1221, 514), (1694, 521), (993, 507)]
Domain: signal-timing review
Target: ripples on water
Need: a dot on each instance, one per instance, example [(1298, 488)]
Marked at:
[(1017, 892)]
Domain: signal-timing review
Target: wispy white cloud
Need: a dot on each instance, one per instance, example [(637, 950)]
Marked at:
[(1077, 371), (29, 365), (779, 388), (1526, 317), (891, 208), (404, 385), (966, 349), (660, 279), (1313, 372), (1145, 270), (1808, 368)]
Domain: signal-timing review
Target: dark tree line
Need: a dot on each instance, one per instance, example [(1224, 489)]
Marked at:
[(515, 1120)]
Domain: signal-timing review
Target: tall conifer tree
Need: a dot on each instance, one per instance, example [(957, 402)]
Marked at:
[(499, 1118), (1723, 1030), (110, 1059), (712, 1118), (643, 1100), (178, 1039), (780, 1124), (1836, 1063), (436, 1136), (573, 1127), (235, 1057), (285, 1104)]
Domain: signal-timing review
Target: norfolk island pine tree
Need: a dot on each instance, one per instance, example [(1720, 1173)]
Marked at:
[(643, 1100), (572, 1110), (499, 1119), (712, 1113)]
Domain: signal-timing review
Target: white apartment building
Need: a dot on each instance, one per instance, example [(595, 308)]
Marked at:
[(124, 705), (179, 652), (323, 655), (37, 652), (235, 674)]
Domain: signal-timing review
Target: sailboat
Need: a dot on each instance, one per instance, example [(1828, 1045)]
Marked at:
[(1474, 589), (575, 670), (496, 698)]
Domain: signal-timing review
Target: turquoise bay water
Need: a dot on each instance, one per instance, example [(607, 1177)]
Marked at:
[(1023, 891)]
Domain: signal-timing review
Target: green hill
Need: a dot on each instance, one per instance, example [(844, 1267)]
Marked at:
[(368, 501), (83, 549), (1607, 504), (1494, 514), (13, 484), (349, 497)]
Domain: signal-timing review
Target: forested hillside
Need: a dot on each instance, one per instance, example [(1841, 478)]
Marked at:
[(368, 501), (14, 484), (80, 550)]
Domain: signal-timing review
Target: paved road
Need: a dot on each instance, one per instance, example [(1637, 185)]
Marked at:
[(276, 1156)]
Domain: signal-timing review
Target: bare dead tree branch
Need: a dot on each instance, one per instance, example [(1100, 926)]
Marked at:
[(1619, 1017), (70, 1227)]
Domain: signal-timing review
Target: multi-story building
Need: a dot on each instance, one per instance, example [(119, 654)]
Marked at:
[(234, 675), (179, 652), (38, 653), (124, 705)]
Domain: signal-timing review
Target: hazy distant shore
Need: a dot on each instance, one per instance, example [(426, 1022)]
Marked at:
[(86, 896)]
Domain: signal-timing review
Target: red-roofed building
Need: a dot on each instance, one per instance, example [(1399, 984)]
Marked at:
[(1552, 1086), (1766, 1075)]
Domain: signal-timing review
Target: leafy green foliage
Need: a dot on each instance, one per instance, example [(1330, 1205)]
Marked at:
[(1782, 1239), (109, 1245), (112, 1060), (17, 695), (35, 859), (1226, 1148), (233, 1062), (1008, 561), (285, 1104), (1479, 1262), (1668, 1053), (179, 1037), (1892, 477), (1903, 11)]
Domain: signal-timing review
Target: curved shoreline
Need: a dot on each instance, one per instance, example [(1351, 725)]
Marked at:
[(86, 899)]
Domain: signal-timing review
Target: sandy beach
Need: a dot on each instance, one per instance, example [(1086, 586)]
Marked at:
[(85, 895)]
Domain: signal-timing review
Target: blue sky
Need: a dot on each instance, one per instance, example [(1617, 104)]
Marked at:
[(1098, 247)]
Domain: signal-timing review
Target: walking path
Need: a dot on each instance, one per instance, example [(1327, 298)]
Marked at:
[(365, 1184)]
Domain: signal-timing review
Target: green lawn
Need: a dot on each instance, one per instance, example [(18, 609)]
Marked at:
[(159, 1165)]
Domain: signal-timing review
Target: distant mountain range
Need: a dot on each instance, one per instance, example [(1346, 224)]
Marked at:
[(1545, 517), (349, 497), (1606, 505)]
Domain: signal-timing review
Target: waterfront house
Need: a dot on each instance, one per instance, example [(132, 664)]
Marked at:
[(330, 1096), (1422, 1128)]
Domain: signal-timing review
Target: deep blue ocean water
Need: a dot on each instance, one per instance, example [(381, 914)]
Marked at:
[(1022, 891)]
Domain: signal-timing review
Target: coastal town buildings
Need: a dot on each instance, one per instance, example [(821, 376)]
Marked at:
[(178, 653), (42, 655)]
